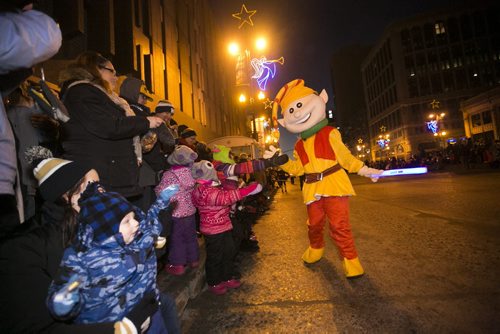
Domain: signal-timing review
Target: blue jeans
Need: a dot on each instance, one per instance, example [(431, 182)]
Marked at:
[(169, 313)]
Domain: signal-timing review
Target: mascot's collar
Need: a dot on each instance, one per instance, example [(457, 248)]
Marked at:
[(309, 132)]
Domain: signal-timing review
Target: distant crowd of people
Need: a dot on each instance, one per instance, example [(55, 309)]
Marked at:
[(466, 153)]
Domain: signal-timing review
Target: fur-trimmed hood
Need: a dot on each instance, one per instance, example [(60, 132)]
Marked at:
[(73, 73)]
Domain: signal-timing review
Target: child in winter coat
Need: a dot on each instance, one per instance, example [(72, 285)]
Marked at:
[(112, 263), (214, 205), (183, 243)]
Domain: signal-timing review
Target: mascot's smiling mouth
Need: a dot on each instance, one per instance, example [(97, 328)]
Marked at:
[(303, 119)]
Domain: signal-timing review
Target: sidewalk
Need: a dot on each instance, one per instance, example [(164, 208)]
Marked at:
[(185, 287)]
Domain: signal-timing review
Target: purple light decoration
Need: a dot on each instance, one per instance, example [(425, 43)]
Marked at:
[(433, 126), (264, 70), (383, 142)]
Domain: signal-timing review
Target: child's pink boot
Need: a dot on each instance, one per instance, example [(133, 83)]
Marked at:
[(218, 289), (232, 283), (175, 270)]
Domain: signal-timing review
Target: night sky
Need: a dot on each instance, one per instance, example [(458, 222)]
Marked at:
[(308, 32)]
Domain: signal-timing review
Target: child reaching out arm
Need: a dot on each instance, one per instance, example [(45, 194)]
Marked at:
[(214, 204), (112, 258)]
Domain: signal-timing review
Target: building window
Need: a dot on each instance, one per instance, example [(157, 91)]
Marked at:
[(487, 119), (406, 40), (148, 79), (429, 35), (465, 27), (145, 17), (439, 28), (476, 120), (417, 39), (137, 14)]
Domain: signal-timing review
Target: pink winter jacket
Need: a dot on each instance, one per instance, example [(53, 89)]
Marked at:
[(214, 204), (181, 202)]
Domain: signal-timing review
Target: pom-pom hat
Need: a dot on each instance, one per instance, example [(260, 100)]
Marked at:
[(204, 170), (164, 106), (182, 156), (57, 176)]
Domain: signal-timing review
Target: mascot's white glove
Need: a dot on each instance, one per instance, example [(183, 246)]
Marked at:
[(268, 154), (372, 173)]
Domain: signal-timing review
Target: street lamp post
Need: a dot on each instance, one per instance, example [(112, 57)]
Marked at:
[(243, 78), (435, 124), (251, 107)]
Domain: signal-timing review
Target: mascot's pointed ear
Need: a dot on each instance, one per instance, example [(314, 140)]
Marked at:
[(324, 96), (281, 121)]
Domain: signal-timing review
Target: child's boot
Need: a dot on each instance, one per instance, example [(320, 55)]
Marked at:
[(175, 270), (218, 289)]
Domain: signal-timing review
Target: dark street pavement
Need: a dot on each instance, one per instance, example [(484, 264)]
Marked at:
[(430, 246)]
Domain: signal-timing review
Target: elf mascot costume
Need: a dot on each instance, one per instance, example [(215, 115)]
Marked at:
[(322, 157)]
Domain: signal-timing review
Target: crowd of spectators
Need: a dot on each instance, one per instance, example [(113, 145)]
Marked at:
[(465, 154), (79, 167)]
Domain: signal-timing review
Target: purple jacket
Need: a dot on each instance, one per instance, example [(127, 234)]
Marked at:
[(181, 202), (214, 204)]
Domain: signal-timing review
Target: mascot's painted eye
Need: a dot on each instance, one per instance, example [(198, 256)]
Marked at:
[(299, 105), (291, 110)]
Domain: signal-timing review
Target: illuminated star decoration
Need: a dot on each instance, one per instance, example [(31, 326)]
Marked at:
[(244, 16), (268, 104), (360, 141), (435, 104), (264, 70), (383, 128), (433, 126)]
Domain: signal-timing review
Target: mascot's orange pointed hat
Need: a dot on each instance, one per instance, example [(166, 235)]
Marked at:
[(290, 92)]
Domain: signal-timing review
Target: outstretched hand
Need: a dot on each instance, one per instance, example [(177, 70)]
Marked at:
[(268, 154), (372, 173), (169, 192)]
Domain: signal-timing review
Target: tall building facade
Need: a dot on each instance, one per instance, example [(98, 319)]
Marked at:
[(173, 46), (421, 69)]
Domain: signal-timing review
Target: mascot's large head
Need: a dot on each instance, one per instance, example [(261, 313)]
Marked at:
[(301, 107)]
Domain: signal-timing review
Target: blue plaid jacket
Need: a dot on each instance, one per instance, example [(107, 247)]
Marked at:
[(115, 276)]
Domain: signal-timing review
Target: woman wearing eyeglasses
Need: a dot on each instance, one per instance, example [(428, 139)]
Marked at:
[(102, 126)]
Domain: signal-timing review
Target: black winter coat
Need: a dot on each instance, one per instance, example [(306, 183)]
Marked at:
[(29, 260), (100, 134)]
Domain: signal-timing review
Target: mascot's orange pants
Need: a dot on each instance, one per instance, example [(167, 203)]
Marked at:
[(336, 208)]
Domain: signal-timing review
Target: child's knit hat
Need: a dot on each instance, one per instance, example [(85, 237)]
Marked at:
[(164, 106), (57, 176), (182, 155), (204, 170), (188, 132), (103, 211)]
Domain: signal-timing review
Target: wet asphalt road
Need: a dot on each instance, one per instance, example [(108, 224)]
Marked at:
[(430, 246)]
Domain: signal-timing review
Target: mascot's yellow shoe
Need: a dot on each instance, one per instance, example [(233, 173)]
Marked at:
[(352, 268), (312, 255)]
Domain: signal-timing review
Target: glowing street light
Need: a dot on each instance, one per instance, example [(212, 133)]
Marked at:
[(233, 48), (260, 44)]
